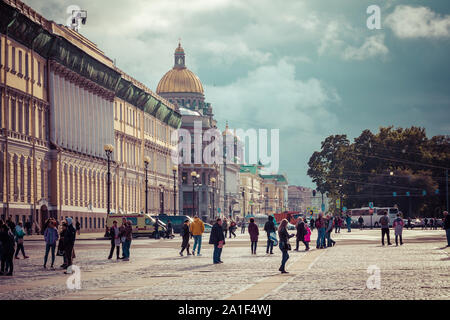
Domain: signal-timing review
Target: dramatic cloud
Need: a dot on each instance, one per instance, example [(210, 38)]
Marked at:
[(372, 47), (418, 22)]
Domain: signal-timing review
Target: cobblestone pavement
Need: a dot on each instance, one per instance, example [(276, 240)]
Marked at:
[(417, 270)]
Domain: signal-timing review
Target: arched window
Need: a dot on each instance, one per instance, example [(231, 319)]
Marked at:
[(15, 182), (22, 179)]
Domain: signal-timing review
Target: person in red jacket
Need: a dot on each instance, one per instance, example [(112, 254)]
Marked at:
[(254, 233)]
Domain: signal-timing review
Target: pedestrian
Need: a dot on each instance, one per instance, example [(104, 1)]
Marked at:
[(60, 251), (28, 227), (447, 226), (225, 227), (7, 241), (269, 227), (384, 221), (127, 236), (329, 229), (337, 227), (408, 226), (243, 226), (253, 231), (11, 225), (156, 225), (169, 233), (232, 228), (320, 225), (197, 228), (185, 234), (398, 228), (115, 240), (284, 244), (425, 223), (19, 234), (312, 223), (217, 238), (361, 222), (348, 221), (50, 236), (307, 238), (77, 226), (69, 243), (301, 231)]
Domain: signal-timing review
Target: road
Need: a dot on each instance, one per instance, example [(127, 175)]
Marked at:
[(417, 270)]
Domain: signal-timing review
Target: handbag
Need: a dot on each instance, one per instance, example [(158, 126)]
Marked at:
[(273, 238)]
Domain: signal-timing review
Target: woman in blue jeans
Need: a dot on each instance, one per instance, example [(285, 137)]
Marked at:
[(50, 236), (284, 244), (320, 225)]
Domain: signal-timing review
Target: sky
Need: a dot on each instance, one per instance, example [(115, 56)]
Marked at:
[(308, 68)]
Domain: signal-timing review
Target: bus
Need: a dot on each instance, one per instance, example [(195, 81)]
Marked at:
[(373, 219), (260, 219)]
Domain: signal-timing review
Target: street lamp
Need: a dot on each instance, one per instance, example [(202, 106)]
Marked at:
[(109, 148), (161, 198), (174, 170), (146, 163), (194, 176), (213, 183)]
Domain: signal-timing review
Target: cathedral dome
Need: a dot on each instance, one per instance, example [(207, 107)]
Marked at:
[(180, 78)]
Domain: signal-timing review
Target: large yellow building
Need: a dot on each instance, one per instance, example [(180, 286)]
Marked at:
[(62, 101)]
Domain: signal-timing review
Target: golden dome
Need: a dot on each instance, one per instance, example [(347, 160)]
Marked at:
[(179, 80)]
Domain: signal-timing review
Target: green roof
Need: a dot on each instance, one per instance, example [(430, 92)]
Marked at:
[(278, 177)]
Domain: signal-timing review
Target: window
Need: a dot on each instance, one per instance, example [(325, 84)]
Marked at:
[(85, 222), (115, 110), (27, 119), (90, 223), (95, 223), (13, 59), (39, 73), (20, 62), (13, 115), (26, 66), (20, 117), (120, 110)]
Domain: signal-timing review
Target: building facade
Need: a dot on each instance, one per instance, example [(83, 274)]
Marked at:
[(62, 101), (275, 190)]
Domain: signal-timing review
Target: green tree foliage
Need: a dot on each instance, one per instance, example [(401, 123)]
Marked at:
[(375, 166)]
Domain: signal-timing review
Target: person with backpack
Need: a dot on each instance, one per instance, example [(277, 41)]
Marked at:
[(254, 233), (19, 234), (320, 225), (169, 233), (217, 238), (197, 228), (185, 234), (301, 231), (384, 221), (398, 227), (50, 236), (269, 227), (284, 244), (232, 228)]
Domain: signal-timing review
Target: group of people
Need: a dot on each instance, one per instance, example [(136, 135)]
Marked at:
[(121, 235), (229, 226), (12, 243)]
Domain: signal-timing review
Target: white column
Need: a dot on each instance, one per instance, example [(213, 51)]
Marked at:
[(52, 105)]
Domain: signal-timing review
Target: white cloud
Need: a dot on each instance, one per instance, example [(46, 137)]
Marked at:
[(418, 22), (372, 47)]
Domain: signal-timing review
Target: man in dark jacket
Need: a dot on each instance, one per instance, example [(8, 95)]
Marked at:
[(69, 242), (218, 240), (447, 227), (301, 231), (185, 234), (268, 228), (7, 240)]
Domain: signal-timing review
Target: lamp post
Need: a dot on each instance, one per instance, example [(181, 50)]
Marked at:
[(108, 150), (146, 162), (194, 176), (161, 198), (213, 183), (174, 170)]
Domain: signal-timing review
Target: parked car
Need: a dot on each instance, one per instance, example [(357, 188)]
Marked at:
[(142, 224)]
